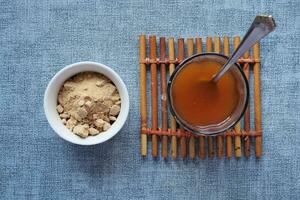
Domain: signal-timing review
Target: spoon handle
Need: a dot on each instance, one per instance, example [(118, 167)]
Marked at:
[(261, 26)]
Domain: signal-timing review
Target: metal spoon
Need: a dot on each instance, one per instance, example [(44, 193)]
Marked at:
[(261, 26)]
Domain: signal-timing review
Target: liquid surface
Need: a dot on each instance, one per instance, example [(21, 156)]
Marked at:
[(200, 102)]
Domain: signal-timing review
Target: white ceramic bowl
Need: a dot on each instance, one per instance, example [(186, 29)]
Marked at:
[(50, 102)]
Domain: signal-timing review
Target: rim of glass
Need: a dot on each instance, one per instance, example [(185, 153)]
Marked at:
[(178, 68)]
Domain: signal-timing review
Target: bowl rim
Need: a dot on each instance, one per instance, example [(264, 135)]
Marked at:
[(64, 133), (174, 114)]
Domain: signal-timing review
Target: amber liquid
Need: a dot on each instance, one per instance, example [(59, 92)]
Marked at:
[(201, 102)]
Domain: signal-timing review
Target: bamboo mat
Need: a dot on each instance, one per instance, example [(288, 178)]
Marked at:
[(176, 142)]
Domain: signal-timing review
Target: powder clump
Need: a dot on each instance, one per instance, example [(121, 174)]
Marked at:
[(88, 104)]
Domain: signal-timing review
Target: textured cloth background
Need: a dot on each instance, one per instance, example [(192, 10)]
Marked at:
[(38, 38)]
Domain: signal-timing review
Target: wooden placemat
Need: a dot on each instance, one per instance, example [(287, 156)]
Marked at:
[(174, 140)]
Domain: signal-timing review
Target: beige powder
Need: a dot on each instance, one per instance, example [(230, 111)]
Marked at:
[(88, 103)]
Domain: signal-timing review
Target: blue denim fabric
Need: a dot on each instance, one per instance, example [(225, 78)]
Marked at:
[(38, 38)]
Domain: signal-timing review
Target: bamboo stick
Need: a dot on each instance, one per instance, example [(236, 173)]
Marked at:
[(143, 105), (188, 134), (210, 143), (217, 49), (257, 103), (237, 141), (237, 128), (201, 138), (247, 112), (164, 111), (172, 121), (202, 153), (210, 140), (199, 45), (228, 138), (217, 44), (190, 47), (153, 69), (208, 44), (181, 57), (190, 50)]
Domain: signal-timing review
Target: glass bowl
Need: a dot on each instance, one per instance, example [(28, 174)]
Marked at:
[(242, 88)]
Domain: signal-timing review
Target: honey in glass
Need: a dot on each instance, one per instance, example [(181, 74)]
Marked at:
[(197, 101)]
